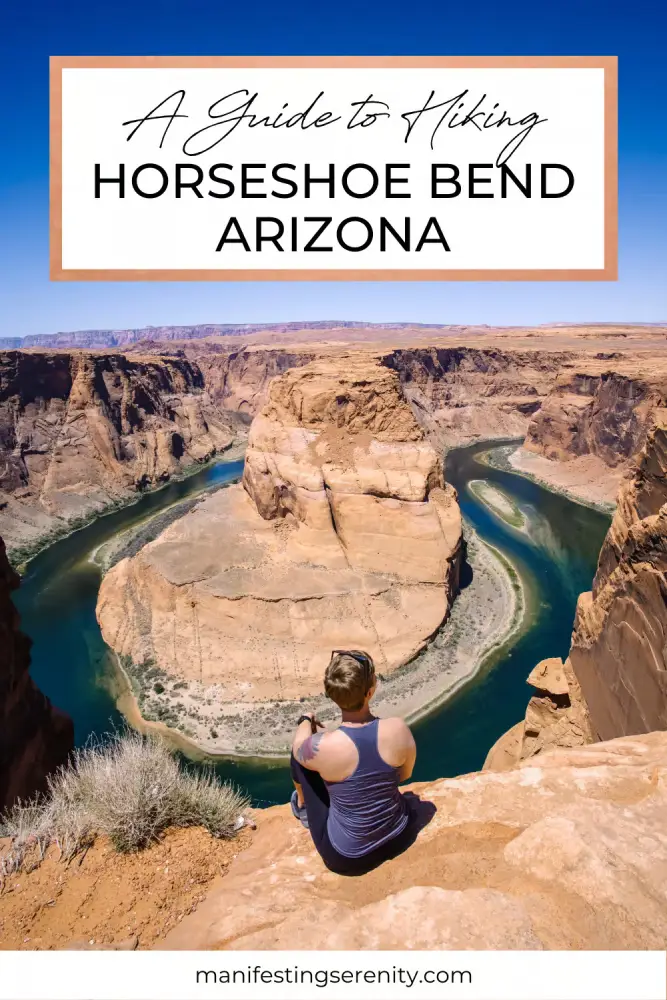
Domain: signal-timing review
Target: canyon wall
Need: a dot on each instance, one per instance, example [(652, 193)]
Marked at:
[(462, 394), (584, 415), (619, 643), (81, 431), (35, 738), (457, 393), (607, 415), (589, 430), (343, 534), (614, 682), (239, 380)]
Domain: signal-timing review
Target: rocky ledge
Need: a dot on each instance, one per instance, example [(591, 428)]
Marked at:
[(567, 854), (343, 533)]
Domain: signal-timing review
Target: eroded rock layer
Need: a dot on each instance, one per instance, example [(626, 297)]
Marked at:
[(556, 716), (619, 643), (586, 436), (35, 738), (614, 682), (568, 851), (344, 533), (462, 394), (239, 380), (80, 431), (606, 414)]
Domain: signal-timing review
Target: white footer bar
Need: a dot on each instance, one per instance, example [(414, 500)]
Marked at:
[(332, 975)]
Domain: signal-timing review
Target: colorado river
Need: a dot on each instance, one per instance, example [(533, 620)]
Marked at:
[(555, 555)]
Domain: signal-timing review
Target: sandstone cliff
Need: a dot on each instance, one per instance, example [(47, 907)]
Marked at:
[(239, 380), (461, 394), (619, 643), (343, 534), (80, 431), (570, 853), (606, 414), (35, 738), (556, 716), (614, 682), (589, 430)]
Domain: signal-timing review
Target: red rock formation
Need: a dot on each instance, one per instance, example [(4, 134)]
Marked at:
[(556, 716), (35, 738), (461, 394), (79, 431), (614, 682), (619, 643), (239, 380), (606, 414), (345, 535)]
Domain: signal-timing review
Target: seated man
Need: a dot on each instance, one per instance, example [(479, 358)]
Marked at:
[(347, 780)]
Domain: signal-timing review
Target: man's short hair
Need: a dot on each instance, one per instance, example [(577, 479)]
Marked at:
[(348, 678)]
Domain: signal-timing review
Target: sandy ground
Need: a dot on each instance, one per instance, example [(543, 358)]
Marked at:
[(127, 543), (455, 654), (28, 530), (586, 478), (103, 899)]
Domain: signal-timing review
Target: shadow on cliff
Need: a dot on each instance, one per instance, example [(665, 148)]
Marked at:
[(466, 572), (422, 812), (35, 737)]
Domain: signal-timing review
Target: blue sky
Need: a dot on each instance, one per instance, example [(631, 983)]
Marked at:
[(31, 32)]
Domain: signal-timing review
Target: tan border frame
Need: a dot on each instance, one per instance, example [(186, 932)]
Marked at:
[(608, 273)]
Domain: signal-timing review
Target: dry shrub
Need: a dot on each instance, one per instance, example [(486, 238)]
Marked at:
[(130, 788)]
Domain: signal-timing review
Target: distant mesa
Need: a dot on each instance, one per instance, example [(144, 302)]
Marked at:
[(122, 338)]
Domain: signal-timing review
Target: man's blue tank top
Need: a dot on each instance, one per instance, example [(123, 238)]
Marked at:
[(366, 808)]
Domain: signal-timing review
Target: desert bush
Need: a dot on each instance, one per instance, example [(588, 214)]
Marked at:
[(203, 801), (129, 788)]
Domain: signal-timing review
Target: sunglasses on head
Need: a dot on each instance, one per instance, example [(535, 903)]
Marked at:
[(361, 658)]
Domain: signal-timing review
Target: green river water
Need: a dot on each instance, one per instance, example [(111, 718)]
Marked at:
[(555, 557)]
